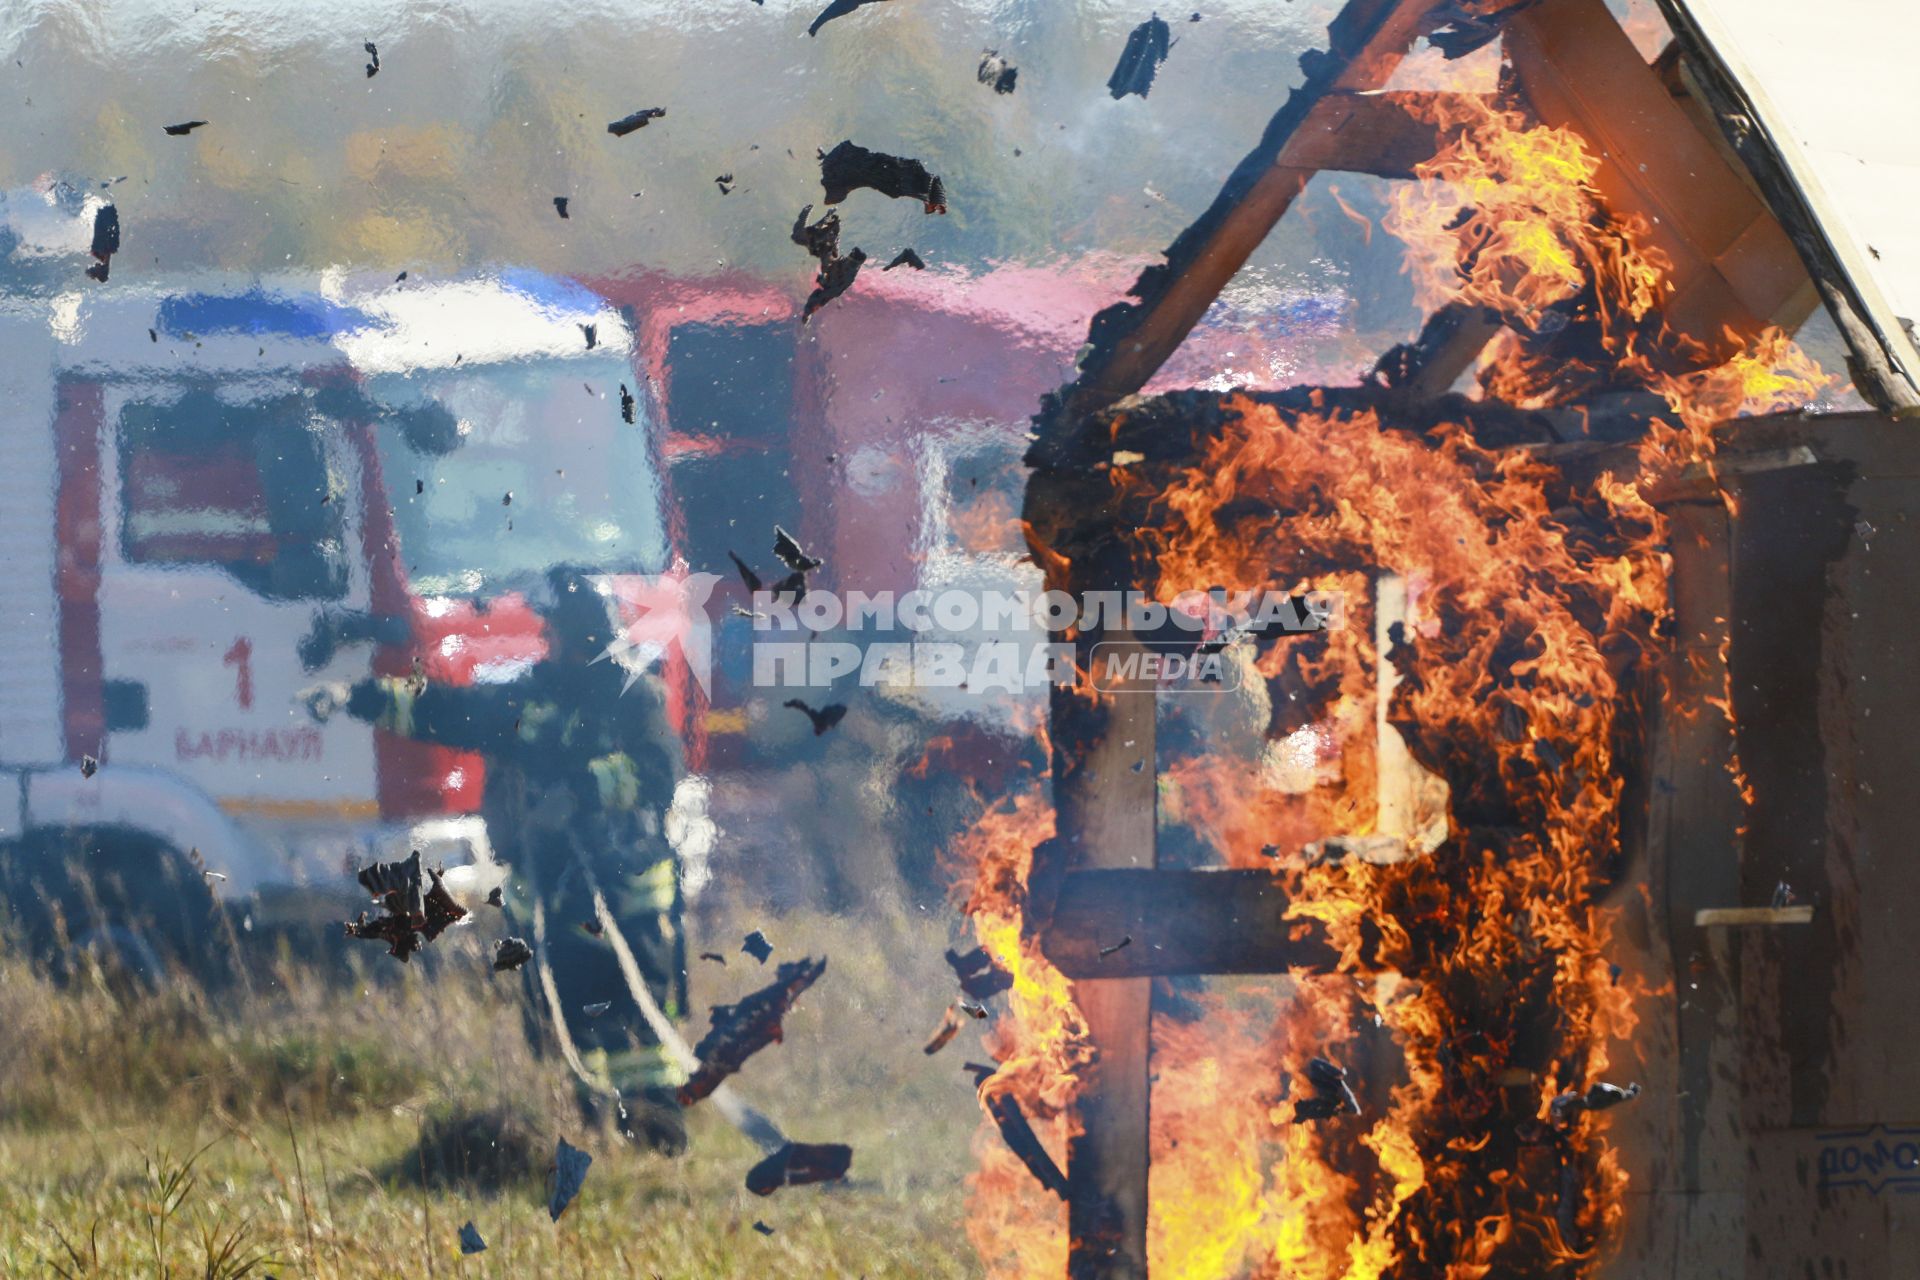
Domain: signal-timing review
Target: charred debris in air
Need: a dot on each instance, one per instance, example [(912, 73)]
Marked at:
[(838, 9), (1016, 1131), (1147, 47), (738, 1031), (415, 907), (822, 719), (844, 170), (996, 72), (1332, 1095), (638, 120), (756, 945), (792, 556), (798, 1164)]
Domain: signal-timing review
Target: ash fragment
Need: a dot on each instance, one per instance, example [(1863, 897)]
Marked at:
[(1331, 1093), (638, 120), (943, 1034), (833, 280), (848, 167), (823, 719), (106, 241), (1147, 48), (415, 906), (822, 239), (838, 9), (996, 72), (1018, 1134), (570, 1165), (1600, 1096), (742, 1029), (979, 977), (798, 1164)]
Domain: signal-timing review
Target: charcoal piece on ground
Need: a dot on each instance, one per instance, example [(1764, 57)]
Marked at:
[(183, 129), (799, 1164), (742, 1029), (848, 167), (1147, 48), (906, 258), (756, 945)]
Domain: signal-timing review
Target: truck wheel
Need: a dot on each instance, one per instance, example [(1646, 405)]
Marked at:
[(116, 896)]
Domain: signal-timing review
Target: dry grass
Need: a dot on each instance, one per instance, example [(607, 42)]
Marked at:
[(258, 1132)]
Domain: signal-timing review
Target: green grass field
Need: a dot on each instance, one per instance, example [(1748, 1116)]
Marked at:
[(305, 1095)]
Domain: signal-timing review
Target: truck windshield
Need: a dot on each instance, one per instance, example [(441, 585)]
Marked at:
[(543, 470)]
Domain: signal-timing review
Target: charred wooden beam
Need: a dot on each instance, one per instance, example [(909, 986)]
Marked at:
[(1179, 922), (1020, 1138), (1128, 342), (1385, 132), (1449, 343), (1104, 802), (1176, 427)]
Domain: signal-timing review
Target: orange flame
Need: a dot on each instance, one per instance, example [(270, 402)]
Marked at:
[(1473, 985)]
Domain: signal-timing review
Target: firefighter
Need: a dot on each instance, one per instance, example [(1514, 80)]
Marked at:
[(577, 769)]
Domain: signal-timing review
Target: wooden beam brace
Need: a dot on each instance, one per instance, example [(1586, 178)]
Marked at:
[(1145, 923), (1104, 792), (1733, 267), (1131, 340), (1383, 132)]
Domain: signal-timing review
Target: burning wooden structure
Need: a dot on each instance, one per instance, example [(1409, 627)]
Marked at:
[(1555, 694)]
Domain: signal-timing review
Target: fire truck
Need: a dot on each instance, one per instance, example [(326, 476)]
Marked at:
[(221, 493)]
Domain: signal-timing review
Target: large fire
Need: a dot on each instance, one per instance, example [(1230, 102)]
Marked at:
[(1474, 985)]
